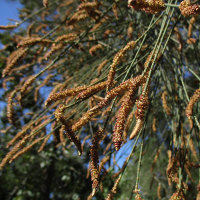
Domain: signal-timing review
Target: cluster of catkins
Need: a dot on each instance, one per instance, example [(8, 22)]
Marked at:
[(156, 6), (127, 88)]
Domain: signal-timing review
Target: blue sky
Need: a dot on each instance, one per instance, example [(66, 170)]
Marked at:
[(8, 10)]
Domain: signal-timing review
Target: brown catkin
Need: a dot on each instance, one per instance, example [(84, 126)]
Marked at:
[(40, 126), (191, 103), (40, 27), (64, 94), (192, 21), (20, 68), (165, 105), (130, 30), (124, 86), (154, 125), (25, 149), (45, 3), (32, 40), (8, 27), (19, 134), (71, 135), (159, 191), (61, 135), (118, 57), (94, 164), (122, 115), (77, 16), (188, 172), (142, 104), (13, 59), (115, 10), (150, 6), (28, 82), (59, 115), (92, 90), (66, 37), (87, 5), (113, 191), (138, 197), (178, 195), (179, 37), (136, 129), (10, 109), (94, 48), (4, 84), (97, 25), (85, 118), (191, 40), (101, 66), (12, 152), (187, 9), (44, 142), (29, 29), (53, 49), (172, 168)]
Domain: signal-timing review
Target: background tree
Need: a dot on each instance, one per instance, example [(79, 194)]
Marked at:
[(87, 74)]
